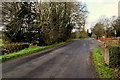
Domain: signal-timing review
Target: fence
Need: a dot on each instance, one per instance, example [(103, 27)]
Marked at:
[(110, 40)]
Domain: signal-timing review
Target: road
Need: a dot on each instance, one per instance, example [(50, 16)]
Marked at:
[(70, 61)]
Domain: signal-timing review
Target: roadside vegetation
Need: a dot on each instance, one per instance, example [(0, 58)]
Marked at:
[(114, 57), (1, 44), (43, 25), (101, 68), (27, 51), (24, 49)]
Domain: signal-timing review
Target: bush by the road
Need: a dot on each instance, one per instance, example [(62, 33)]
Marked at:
[(14, 47), (26, 51), (114, 51), (101, 68)]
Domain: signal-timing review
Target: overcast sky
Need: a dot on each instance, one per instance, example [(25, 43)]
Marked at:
[(99, 8)]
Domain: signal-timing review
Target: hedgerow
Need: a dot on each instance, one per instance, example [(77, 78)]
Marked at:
[(101, 68), (114, 55), (26, 51)]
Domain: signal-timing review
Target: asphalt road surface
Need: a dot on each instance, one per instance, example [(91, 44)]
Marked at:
[(70, 61)]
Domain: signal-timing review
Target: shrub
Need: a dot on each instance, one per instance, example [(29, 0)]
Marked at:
[(14, 47), (114, 59)]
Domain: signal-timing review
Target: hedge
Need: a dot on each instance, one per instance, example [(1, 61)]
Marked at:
[(114, 51), (14, 47), (26, 51), (101, 68)]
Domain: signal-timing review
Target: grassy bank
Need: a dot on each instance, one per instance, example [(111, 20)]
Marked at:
[(1, 42), (27, 51), (101, 68)]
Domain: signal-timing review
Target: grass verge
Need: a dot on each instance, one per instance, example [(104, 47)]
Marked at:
[(1, 42), (101, 68), (27, 51)]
